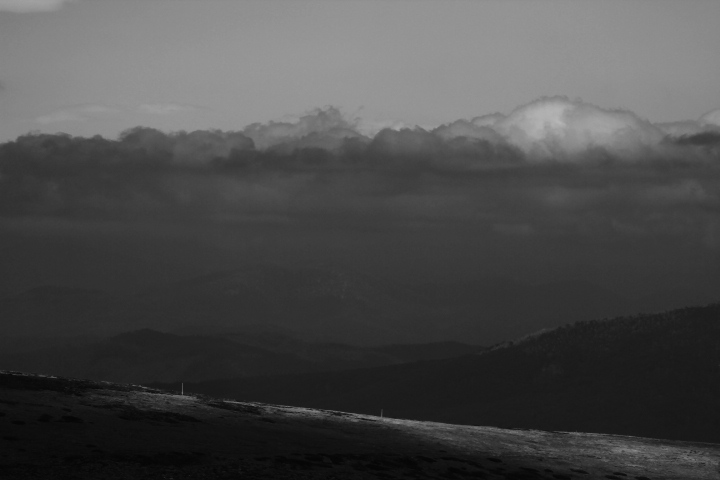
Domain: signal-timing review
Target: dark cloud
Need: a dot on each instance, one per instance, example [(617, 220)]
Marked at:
[(552, 164), (322, 128), (703, 139)]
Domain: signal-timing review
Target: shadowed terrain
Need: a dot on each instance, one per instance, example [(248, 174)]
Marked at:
[(58, 428)]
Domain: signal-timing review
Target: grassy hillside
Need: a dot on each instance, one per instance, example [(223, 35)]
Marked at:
[(58, 428)]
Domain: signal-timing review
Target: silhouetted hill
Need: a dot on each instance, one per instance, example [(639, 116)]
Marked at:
[(428, 351), (150, 356), (649, 375), (501, 309)]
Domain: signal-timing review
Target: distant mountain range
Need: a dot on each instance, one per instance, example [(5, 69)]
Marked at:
[(318, 304), (648, 375), (332, 338), (144, 356)]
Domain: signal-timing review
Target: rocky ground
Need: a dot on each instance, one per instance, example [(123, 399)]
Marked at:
[(57, 428)]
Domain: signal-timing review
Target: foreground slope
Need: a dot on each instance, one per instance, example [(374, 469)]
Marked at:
[(652, 375), (60, 428)]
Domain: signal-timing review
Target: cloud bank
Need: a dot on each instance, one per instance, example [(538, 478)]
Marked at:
[(554, 167)]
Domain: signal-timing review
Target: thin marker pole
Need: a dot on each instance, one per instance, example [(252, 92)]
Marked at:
[(381, 413), (182, 389)]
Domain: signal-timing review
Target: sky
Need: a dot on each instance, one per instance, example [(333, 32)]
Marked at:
[(90, 67), (545, 141)]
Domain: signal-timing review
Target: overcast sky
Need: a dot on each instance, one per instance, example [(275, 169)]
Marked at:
[(100, 66), (560, 139)]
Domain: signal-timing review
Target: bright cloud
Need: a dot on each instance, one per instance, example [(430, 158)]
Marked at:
[(557, 128)]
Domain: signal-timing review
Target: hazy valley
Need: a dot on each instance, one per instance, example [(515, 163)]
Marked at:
[(316, 304)]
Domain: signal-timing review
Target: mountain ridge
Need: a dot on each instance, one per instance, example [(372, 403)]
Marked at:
[(648, 375), (147, 355)]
